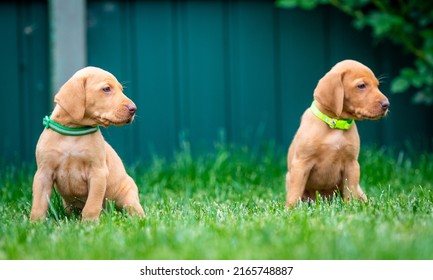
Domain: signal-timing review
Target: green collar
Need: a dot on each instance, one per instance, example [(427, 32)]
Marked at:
[(69, 131), (343, 124)]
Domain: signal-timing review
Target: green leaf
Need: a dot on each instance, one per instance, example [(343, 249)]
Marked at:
[(399, 84), (383, 23), (286, 4), (304, 4), (359, 23), (418, 81), (308, 4), (408, 73)]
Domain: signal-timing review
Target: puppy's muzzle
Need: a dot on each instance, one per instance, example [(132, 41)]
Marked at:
[(131, 109), (384, 103)]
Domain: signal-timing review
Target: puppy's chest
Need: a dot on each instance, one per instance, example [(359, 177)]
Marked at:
[(71, 154), (339, 143), (332, 156), (76, 165)]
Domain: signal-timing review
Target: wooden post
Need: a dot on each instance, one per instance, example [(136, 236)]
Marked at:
[(67, 40)]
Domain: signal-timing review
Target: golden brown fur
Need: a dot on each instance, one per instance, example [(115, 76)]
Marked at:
[(85, 170), (325, 160)]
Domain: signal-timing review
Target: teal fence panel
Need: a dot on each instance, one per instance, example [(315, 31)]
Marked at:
[(23, 76), (156, 81)]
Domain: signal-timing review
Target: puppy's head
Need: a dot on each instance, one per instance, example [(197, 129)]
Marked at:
[(93, 96), (350, 90)]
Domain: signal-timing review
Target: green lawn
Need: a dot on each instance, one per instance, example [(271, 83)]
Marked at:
[(229, 204)]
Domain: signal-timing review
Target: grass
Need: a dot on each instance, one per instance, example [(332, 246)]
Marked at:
[(229, 204)]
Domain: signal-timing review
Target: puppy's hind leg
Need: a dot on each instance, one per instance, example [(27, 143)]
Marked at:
[(360, 194), (42, 188), (129, 199), (132, 204)]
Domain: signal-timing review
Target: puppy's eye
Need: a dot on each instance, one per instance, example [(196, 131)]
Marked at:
[(106, 89), (361, 86)]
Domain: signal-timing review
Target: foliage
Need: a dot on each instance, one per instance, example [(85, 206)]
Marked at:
[(229, 204), (406, 23)]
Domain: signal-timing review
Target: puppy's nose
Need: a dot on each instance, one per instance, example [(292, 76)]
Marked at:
[(131, 108), (384, 103)]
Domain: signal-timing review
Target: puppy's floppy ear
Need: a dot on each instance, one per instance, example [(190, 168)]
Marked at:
[(72, 97), (330, 92)]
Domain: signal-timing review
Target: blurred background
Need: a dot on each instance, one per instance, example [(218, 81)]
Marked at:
[(237, 72)]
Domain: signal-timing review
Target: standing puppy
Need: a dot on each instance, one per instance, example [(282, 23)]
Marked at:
[(72, 154), (323, 156)]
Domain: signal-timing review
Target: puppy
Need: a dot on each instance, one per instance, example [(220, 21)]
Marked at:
[(73, 156), (323, 156)]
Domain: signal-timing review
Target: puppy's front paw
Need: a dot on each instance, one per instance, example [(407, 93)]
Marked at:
[(37, 216), (135, 210), (90, 215)]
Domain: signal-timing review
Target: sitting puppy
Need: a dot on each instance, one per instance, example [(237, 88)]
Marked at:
[(323, 156), (72, 154)]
